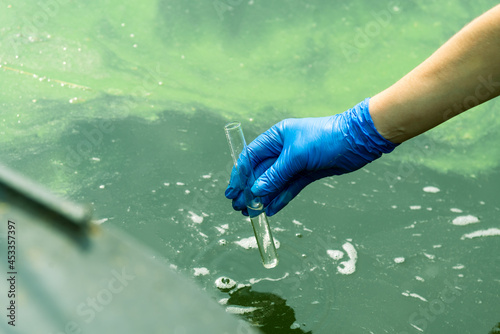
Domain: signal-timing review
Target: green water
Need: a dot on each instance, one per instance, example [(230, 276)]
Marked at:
[(132, 121)]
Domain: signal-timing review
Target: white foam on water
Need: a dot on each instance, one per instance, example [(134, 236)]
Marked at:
[(195, 218), (335, 254), (482, 233), (465, 220), (431, 189), (296, 222), (241, 285), (399, 259), (457, 210), (207, 176), (414, 295), (348, 267), (430, 256), (100, 221), (251, 242), (257, 280), (415, 207), (220, 229), (416, 327), (418, 278), (241, 309), (180, 183), (329, 185), (459, 266), (247, 243), (202, 271)]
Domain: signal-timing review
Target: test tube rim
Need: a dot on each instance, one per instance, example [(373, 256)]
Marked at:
[(232, 126)]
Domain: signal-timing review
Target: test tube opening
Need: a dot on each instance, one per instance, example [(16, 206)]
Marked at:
[(232, 126)]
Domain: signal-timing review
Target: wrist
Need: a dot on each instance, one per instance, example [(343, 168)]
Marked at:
[(384, 124), (365, 128)]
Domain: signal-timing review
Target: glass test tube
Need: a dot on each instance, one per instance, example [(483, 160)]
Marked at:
[(258, 217)]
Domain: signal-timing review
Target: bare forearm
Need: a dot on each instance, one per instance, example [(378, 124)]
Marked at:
[(462, 73)]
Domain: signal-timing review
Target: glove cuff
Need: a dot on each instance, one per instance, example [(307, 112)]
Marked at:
[(372, 140)]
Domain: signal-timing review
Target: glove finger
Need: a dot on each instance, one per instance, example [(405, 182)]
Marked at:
[(234, 187), (287, 194), (237, 195), (275, 178), (261, 167), (267, 145), (239, 203)]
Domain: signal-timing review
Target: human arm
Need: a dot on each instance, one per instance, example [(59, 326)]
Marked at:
[(462, 73)]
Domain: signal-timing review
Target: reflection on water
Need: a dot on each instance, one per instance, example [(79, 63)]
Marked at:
[(495, 329), (267, 311)]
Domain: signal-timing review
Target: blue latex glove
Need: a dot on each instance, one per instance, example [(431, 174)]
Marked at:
[(296, 152)]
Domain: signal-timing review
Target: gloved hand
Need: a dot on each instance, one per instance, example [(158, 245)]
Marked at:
[(296, 152)]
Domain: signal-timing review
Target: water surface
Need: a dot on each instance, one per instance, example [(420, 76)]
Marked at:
[(124, 107)]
